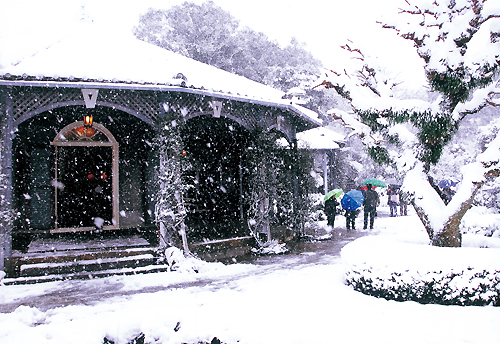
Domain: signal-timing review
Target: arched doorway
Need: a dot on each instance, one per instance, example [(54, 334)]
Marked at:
[(86, 179), (35, 183)]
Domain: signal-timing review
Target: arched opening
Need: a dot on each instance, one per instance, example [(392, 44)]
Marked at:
[(35, 182), (216, 148), (85, 179)]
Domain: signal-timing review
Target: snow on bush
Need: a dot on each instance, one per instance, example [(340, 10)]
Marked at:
[(482, 221), (316, 223), (405, 271)]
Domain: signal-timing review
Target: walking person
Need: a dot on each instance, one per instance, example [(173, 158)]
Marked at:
[(370, 206), (403, 203), (448, 195), (351, 202), (331, 210), (392, 200), (350, 219)]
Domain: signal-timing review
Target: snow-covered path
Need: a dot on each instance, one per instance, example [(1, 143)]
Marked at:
[(295, 299), (84, 292)]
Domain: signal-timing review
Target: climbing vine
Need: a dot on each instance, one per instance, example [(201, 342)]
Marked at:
[(279, 186), (170, 207)]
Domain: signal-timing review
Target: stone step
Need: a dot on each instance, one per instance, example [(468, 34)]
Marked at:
[(75, 261), (86, 275), (88, 265)]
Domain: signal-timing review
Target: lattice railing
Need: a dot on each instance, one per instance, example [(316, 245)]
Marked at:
[(24, 102), (142, 102), (145, 103)]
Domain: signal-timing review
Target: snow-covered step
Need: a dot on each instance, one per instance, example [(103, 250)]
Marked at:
[(52, 261), (90, 265), (86, 275)]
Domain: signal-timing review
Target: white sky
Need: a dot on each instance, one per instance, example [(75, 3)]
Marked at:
[(322, 25), (316, 22)]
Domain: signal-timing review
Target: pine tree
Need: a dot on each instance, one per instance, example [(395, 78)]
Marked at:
[(460, 53)]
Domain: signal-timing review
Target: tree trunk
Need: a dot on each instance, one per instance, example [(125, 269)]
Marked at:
[(422, 215), (450, 235)]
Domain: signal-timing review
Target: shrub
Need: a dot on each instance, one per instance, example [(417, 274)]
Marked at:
[(414, 272)]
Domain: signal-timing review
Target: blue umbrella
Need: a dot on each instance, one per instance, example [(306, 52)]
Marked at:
[(447, 183), (352, 200)]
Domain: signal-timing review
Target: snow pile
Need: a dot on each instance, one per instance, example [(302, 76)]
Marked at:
[(271, 247), (395, 270), (195, 265), (178, 262)]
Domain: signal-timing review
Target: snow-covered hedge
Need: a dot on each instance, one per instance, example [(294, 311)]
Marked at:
[(394, 270)]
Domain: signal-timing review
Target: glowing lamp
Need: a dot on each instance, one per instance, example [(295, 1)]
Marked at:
[(87, 121)]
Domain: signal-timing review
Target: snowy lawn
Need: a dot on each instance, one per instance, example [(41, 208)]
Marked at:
[(242, 303)]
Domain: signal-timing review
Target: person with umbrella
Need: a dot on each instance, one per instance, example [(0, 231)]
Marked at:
[(447, 193), (351, 202), (331, 204), (370, 205)]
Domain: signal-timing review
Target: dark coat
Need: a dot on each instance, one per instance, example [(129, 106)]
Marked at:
[(331, 205), (371, 200)]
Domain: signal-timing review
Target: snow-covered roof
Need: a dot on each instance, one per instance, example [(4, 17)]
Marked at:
[(319, 138), (89, 56)]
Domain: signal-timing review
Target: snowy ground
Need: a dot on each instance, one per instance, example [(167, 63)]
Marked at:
[(288, 299)]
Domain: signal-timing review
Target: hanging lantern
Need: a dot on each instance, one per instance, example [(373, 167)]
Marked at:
[(87, 121)]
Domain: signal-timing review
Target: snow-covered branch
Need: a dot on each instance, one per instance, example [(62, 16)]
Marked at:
[(458, 42), (432, 211), (357, 127)]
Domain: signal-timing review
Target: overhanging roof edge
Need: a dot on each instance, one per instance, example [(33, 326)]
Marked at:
[(161, 88)]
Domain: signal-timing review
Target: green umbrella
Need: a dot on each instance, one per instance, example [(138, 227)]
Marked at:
[(374, 182), (334, 192)]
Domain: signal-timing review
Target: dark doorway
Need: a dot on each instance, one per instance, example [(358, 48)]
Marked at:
[(34, 164), (84, 197), (216, 149)]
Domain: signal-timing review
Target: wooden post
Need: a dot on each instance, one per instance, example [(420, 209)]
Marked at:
[(6, 155), (240, 170), (298, 222), (325, 171)]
